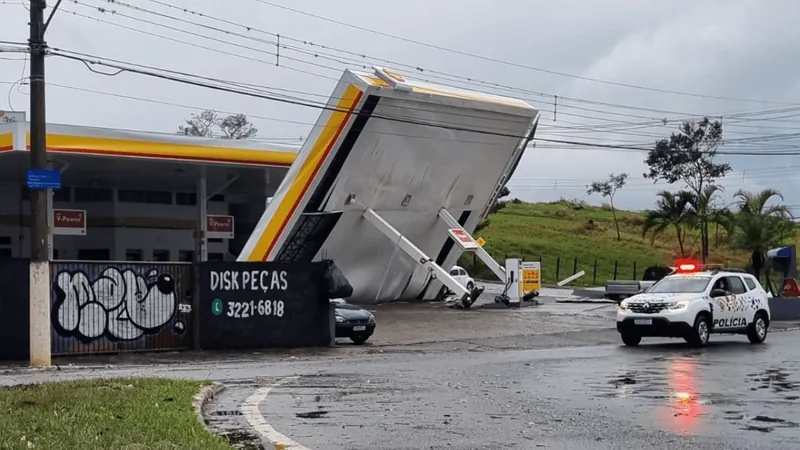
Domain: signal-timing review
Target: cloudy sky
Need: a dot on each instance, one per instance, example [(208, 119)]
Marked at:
[(620, 70)]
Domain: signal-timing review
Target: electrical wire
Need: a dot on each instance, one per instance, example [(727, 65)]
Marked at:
[(247, 28), (514, 64), (587, 129), (152, 72)]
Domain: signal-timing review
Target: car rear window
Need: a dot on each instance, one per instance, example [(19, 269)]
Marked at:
[(750, 283)]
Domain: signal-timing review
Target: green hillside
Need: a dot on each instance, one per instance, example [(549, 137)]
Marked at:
[(559, 232)]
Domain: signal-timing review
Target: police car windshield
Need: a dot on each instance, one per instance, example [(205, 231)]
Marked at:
[(680, 285)]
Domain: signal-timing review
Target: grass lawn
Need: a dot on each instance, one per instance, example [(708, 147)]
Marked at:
[(558, 234), (104, 414)]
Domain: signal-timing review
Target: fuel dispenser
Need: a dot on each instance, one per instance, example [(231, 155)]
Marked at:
[(783, 262), (523, 282)]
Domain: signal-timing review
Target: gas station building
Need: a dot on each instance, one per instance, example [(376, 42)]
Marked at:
[(136, 196)]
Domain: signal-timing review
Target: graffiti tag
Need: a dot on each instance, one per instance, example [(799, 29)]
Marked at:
[(119, 304)]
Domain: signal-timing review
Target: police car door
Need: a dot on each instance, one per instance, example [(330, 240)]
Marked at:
[(737, 306), (722, 310)]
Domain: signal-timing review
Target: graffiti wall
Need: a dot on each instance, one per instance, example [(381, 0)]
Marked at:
[(111, 307)]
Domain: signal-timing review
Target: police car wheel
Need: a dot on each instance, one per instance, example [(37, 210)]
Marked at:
[(702, 331), (631, 340), (757, 332)]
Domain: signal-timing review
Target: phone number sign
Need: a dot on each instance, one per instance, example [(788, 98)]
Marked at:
[(263, 305)]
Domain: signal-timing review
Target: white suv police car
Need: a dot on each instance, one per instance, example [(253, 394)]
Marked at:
[(692, 304)]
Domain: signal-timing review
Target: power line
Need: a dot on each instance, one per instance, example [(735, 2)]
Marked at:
[(514, 64), (447, 76), (151, 72), (587, 129)]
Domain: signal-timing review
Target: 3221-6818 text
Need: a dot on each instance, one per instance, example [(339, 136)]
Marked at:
[(243, 310)]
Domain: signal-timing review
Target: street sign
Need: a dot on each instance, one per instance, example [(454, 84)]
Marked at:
[(480, 241), (463, 239), (44, 179)]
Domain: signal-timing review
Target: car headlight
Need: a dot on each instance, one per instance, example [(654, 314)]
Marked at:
[(623, 306), (371, 319), (340, 319), (676, 306)]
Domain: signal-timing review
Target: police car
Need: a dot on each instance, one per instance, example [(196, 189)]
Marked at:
[(693, 303)]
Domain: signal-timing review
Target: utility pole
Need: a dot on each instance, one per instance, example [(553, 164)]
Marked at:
[(39, 226)]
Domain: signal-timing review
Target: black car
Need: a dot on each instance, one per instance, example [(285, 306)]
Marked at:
[(353, 322)]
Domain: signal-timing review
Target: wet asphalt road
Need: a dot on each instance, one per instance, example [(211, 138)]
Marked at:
[(730, 395)]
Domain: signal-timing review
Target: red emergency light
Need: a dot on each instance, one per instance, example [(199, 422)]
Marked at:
[(688, 266)]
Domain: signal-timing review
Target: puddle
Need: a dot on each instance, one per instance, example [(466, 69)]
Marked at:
[(227, 413), (312, 414), (776, 380), (243, 439), (760, 429), (763, 424), (773, 420), (622, 380)]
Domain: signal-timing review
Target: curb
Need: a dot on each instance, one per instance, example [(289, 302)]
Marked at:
[(781, 330), (206, 394)]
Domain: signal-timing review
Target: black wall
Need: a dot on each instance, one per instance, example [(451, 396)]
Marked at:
[(263, 305), (14, 309)]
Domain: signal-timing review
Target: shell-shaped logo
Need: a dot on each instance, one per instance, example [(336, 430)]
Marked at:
[(394, 75)]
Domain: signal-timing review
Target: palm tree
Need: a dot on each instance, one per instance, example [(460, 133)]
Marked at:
[(761, 226), (704, 212), (670, 212)]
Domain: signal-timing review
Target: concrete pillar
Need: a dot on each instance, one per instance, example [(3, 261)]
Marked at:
[(40, 314), (201, 248)]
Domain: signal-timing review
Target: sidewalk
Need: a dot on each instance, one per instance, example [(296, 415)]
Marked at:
[(785, 325)]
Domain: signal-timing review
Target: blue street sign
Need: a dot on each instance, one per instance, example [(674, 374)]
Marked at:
[(44, 179)]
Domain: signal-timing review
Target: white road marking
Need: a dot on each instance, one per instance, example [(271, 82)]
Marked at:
[(251, 413)]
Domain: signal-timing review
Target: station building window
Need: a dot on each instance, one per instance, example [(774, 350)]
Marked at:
[(94, 254), (88, 195), (134, 254), (186, 256), (59, 195), (185, 198), (161, 255), (151, 197)]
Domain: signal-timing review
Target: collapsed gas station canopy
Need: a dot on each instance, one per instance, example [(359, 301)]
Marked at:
[(389, 168)]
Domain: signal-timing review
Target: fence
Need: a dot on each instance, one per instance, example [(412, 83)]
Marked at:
[(556, 268), (111, 307), (15, 316)]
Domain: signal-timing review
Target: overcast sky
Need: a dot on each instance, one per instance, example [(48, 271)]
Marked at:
[(736, 49)]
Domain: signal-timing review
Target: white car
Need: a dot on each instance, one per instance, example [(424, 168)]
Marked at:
[(692, 305), (462, 277)]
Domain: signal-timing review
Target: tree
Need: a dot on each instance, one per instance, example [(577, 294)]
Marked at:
[(209, 124), (608, 189), (703, 212), (761, 226), (688, 156), (671, 211)]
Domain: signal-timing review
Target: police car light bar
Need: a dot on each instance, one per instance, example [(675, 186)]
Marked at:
[(687, 266), (691, 266)]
